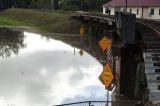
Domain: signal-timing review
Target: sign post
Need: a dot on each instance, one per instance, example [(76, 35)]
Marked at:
[(81, 30), (106, 76)]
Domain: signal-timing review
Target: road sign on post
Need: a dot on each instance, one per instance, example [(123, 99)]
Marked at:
[(104, 43), (106, 76)]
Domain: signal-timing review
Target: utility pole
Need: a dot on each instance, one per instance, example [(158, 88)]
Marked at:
[(52, 3), (13, 3), (1, 5), (81, 5), (126, 5)]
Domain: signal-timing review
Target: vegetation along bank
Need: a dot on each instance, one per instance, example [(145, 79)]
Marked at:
[(45, 20)]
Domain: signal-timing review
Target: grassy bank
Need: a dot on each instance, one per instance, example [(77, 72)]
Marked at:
[(56, 22)]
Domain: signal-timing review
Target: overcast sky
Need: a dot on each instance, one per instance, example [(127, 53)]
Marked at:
[(46, 73)]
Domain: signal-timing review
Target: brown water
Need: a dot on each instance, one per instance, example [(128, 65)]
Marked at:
[(41, 71)]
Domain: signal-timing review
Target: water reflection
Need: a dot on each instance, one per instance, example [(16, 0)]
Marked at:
[(47, 72), (10, 42), (88, 43)]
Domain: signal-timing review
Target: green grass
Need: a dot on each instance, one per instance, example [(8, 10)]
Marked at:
[(48, 21), (11, 22)]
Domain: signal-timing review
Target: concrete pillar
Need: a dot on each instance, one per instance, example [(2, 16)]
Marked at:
[(104, 10)]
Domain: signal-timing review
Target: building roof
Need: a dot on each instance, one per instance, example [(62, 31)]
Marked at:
[(139, 3)]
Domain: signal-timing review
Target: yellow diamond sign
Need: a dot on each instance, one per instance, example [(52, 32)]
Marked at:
[(81, 30), (104, 43), (106, 76)]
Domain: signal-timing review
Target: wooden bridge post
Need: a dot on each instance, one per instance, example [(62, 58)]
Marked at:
[(126, 27), (94, 27), (105, 28), (126, 31), (98, 29), (90, 26)]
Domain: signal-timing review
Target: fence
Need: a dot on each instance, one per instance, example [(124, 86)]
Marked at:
[(103, 103)]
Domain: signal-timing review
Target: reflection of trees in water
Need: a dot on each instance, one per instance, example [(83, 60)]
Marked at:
[(10, 42)]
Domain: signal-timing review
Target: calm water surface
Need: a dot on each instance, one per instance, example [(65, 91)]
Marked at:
[(39, 71)]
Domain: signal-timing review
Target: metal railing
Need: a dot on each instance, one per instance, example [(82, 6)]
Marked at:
[(102, 103)]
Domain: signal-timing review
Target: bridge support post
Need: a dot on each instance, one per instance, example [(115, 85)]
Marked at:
[(89, 103), (126, 27), (124, 49), (98, 29), (90, 27)]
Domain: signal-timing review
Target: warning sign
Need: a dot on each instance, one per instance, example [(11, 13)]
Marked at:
[(81, 30), (106, 76), (81, 52), (104, 43)]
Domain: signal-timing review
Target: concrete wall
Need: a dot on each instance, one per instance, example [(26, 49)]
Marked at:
[(136, 10), (156, 13), (112, 11), (104, 10), (146, 11)]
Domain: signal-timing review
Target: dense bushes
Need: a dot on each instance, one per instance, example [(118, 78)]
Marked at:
[(68, 5), (70, 8)]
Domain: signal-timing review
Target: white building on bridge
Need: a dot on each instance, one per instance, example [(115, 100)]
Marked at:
[(148, 9)]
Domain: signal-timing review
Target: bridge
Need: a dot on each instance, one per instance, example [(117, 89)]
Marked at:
[(135, 52), (135, 48)]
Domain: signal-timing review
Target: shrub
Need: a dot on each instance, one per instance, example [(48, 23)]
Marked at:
[(70, 8)]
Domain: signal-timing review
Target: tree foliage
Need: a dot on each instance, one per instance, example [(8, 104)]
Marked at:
[(69, 5), (22, 3), (85, 5), (25, 3), (55, 4)]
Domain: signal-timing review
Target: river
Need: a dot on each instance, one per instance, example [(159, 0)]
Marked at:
[(41, 71)]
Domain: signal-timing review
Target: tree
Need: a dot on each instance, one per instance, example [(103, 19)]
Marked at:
[(10, 42), (70, 5), (95, 4), (23, 3), (55, 4), (86, 5), (6, 3)]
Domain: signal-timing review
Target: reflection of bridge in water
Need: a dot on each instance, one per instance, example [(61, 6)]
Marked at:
[(135, 52), (88, 44)]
